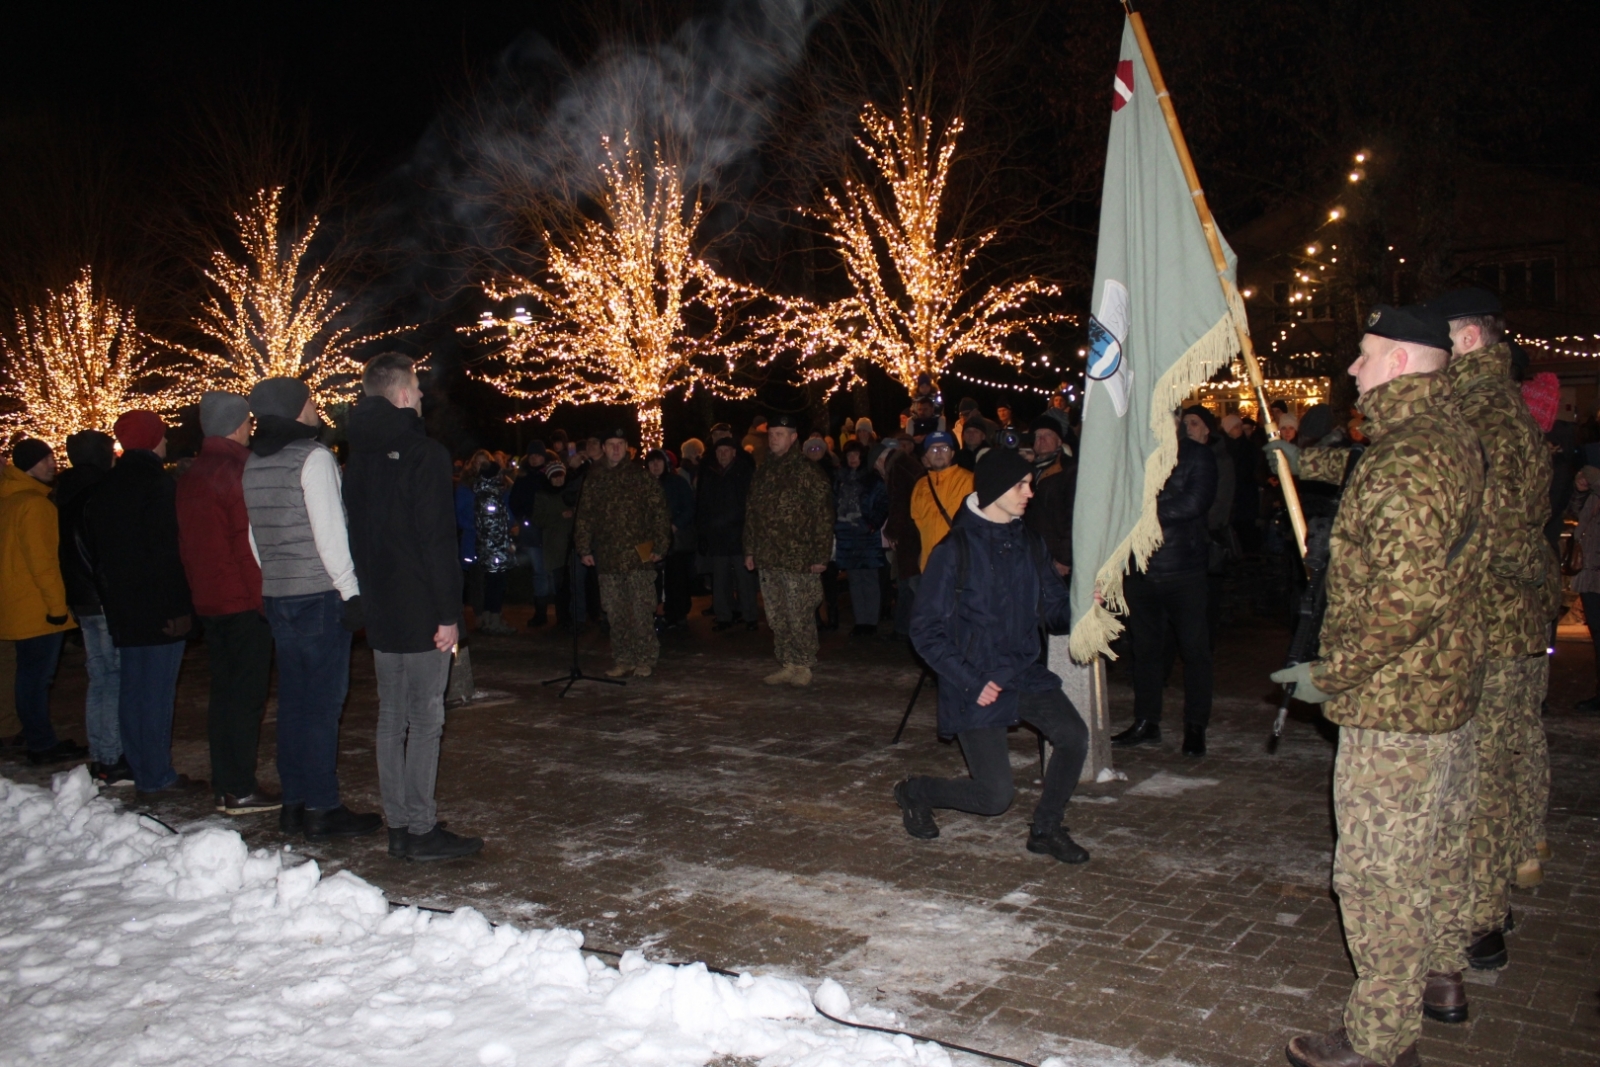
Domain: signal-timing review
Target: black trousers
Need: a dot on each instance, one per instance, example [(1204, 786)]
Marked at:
[(1183, 604), (239, 651), (678, 580), (990, 789)]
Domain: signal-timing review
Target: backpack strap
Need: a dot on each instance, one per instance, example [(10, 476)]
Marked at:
[(949, 523)]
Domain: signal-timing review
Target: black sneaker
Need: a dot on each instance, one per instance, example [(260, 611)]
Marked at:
[(60, 752), (918, 818), (1488, 951), (440, 844), (292, 818), (323, 823), (112, 775), (1142, 732), (1057, 843)]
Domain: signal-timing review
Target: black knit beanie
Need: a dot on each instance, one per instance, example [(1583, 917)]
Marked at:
[(997, 472)]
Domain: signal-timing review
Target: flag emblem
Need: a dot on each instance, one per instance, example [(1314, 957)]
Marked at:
[(1122, 85)]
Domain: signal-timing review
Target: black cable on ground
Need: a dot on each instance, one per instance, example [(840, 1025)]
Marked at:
[(616, 953)]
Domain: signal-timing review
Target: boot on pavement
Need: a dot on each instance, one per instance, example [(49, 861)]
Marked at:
[(643, 671), (292, 818), (1529, 874), (1333, 1050), (619, 671), (1194, 740), (1142, 732), (1444, 997), (1487, 952), (323, 823), (440, 844), (917, 817), (491, 623), (781, 676), (1057, 843), (799, 677)]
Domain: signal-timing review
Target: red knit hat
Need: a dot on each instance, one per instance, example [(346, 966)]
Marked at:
[(1542, 394), (140, 429)]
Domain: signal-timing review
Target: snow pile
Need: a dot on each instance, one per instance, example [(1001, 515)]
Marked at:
[(121, 943)]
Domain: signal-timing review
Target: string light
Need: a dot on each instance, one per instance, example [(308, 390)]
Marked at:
[(912, 311), (610, 324), (269, 320), (1014, 387), (1558, 346), (80, 362)]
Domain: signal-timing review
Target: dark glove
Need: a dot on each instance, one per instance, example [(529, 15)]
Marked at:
[(177, 627), (56, 620), (355, 616)]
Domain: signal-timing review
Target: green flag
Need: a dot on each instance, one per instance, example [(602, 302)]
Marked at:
[(1159, 326)]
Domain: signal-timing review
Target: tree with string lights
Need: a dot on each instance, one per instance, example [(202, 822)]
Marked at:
[(270, 314), (914, 309), (626, 311), (80, 361)]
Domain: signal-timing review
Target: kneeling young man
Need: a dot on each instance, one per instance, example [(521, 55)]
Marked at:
[(988, 588)]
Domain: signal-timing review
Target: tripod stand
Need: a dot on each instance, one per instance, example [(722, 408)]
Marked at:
[(575, 674), (912, 703)]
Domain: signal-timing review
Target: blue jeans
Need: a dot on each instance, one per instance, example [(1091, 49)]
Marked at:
[(104, 662), (313, 653), (144, 708), (36, 669)]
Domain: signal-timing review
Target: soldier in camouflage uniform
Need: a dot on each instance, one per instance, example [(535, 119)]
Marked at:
[(1515, 612), (622, 530), (788, 535), (1401, 671)]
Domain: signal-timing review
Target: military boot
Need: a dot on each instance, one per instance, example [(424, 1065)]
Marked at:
[(799, 677), (1444, 997), (1487, 952), (1529, 874), (1333, 1050), (781, 676)]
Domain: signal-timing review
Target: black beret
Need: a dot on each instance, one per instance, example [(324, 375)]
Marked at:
[(1459, 303), (785, 419), (618, 431), (1413, 324)]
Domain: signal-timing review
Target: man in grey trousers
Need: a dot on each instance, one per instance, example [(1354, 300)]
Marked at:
[(398, 493)]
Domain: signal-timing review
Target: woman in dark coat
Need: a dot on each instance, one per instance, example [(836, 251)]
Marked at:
[(861, 504)]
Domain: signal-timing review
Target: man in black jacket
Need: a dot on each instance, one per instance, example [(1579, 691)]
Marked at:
[(130, 526), (1172, 591), (719, 510), (93, 454), (403, 541), (1055, 488), (988, 588)]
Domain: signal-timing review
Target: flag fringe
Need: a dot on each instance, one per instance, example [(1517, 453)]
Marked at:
[(1093, 634)]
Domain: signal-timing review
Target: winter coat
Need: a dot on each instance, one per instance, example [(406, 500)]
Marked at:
[(1246, 486), (860, 504), (1402, 641), (622, 512), (720, 501), (788, 524), (1516, 502), (1049, 513), (554, 513), (402, 527), (990, 633), (30, 571), (491, 513), (904, 472), (680, 510), (214, 531), (464, 503), (948, 488), (1182, 508), (73, 489), (131, 536)]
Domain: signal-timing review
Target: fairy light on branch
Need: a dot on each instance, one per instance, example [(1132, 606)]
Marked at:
[(1560, 346), (272, 315), (610, 320), (80, 361), (913, 310)]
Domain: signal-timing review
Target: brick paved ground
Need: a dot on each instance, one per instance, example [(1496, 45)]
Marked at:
[(705, 817)]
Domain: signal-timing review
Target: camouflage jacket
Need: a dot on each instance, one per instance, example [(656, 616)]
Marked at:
[(621, 508), (788, 522), (1401, 648), (1516, 502)]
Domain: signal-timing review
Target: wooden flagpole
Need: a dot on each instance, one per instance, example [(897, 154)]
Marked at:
[(1291, 497)]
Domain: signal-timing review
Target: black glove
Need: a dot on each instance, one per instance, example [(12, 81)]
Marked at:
[(56, 620), (355, 616)]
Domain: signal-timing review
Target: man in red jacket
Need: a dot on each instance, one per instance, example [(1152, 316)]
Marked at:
[(225, 581)]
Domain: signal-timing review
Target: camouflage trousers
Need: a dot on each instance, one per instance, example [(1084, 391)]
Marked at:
[(792, 598), (1513, 781), (1403, 803), (629, 600)]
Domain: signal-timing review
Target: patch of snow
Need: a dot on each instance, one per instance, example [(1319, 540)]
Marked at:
[(1164, 784), (1110, 774), (123, 943)]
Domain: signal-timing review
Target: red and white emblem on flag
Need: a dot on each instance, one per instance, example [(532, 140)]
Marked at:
[(1122, 85)]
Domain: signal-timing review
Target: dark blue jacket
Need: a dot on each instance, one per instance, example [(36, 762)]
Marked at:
[(680, 510), (1182, 506), (991, 634), (859, 542)]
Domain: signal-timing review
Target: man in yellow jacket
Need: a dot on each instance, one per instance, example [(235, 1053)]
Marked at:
[(940, 493), (33, 611)]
